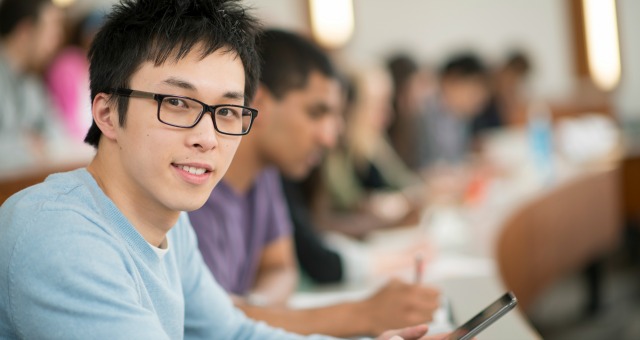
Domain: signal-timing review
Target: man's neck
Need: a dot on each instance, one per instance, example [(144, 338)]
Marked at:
[(244, 168), (152, 224)]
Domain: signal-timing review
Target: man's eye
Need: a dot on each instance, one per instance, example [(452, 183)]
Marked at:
[(228, 112), (177, 102), (316, 114)]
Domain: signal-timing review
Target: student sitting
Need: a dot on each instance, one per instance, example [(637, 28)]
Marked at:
[(244, 231)]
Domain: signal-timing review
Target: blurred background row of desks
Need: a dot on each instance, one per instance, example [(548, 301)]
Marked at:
[(522, 231), (32, 171)]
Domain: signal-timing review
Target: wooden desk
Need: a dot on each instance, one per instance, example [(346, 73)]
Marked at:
[(469, 295), (469, 284), (14, 181), (560, 232), (65, 156), (630, 183)]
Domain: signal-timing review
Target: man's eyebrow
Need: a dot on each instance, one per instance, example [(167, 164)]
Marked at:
[(234, 95), (176, 82), (321, 107), (179, 83)]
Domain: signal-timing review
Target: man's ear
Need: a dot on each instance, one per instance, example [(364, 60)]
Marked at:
[(263, 101), (105, 114)]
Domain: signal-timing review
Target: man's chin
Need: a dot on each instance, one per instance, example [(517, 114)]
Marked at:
[(297, 174), (191, 206), (194, 203)]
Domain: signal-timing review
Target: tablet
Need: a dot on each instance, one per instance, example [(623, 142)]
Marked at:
[(485, 318)]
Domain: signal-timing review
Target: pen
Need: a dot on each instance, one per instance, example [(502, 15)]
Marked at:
[(419, 264)]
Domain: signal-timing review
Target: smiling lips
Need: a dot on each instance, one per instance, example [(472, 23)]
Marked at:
[(192, 170), (195, 173), (314, 158)]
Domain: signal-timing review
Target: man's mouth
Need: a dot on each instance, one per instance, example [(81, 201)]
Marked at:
[(314, 158), (192, 170)]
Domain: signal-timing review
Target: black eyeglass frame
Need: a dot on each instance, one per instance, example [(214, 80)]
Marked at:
[(158, 97)]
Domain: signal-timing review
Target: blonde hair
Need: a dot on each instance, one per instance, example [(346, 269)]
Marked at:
[(368, 113)]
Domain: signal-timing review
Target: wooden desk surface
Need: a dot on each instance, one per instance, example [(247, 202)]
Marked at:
[(560, 233), (16, 180)]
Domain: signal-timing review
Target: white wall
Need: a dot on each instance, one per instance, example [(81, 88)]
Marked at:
[(437, 28), (432, 29), (286, 14), (628, 94)]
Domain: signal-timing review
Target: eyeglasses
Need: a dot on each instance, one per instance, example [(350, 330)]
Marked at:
[(185, 112)]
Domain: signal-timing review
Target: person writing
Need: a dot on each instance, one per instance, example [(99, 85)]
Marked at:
[(244, 231)]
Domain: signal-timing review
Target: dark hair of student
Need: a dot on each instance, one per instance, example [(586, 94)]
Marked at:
[(518, 62), (158, 30), (401, 67), (463, 65), (13, 12), (288, 60)]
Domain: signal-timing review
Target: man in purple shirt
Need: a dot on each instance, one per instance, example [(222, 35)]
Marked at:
[(244, 232), (226, 226)]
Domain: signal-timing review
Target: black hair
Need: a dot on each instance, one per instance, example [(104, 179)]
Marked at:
[(401, 67), (463, 65), (519, 62), (288, 59), (138, 31), (13, 12)]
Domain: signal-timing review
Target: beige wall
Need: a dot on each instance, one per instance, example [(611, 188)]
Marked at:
[(628, 94), (432, 29)]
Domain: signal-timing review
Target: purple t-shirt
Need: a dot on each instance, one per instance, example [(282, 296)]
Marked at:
[(233, 229)]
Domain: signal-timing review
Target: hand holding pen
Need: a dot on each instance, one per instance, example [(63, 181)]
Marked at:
[(419, 267)]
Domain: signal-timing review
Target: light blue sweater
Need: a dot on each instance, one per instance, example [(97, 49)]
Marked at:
[(73, 267)]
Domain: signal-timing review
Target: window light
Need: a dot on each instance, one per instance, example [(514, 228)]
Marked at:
[(332, 21), (603, 50)]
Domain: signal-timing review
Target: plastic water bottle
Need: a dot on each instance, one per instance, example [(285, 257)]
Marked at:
[(540, 131)]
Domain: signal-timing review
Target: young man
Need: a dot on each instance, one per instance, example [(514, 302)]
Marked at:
[(444, 127), (105, 251), (244, 231)]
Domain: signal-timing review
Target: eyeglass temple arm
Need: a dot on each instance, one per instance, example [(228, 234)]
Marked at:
[(133, 93)]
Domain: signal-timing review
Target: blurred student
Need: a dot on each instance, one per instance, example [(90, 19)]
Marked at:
[(364, 174), (67, 77), (445, 137), (324, 254), (507, 103), (244, 231), (30, 34), (411, 87), (330, 257), (318, 261)]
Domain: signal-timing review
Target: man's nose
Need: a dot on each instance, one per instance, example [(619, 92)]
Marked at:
[(329, 130), (204, 135)]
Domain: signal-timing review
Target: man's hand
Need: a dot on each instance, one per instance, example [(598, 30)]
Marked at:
[(399, 304), (410, 333)]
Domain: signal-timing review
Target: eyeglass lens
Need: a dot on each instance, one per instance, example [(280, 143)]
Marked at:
[(184, 112)]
